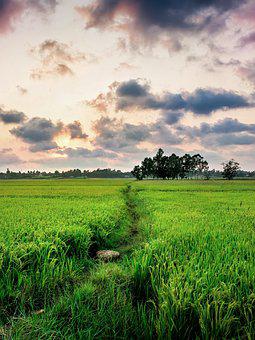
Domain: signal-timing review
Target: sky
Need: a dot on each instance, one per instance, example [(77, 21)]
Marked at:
[(104, 83)]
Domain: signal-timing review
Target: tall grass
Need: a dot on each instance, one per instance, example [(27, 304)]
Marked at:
[(190, 275), (46, 236)]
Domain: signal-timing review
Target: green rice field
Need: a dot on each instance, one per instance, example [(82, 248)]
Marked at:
[(186, 271)]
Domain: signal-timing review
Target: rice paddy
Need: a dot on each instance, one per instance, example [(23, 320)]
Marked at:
[(187, 267)]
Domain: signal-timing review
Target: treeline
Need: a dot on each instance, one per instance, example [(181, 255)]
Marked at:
[(166, 167), (186, 166), (75, 173), (160, 166)]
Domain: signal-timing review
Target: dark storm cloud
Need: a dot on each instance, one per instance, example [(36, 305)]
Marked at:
[(12, 117), (12, 10), (137, 94), (173, 15)]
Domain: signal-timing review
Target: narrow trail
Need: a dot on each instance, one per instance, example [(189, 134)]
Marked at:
[(134, 214)]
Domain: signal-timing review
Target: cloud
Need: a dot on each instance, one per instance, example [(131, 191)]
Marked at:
[(173, 15), (247, 72), (7, 157), (40, 133), (12, 10), (22, 90), (43, 146), (87, 153), (247, 14), (115, 135), (163, 135), (75, 130), (145, 20), (170, 117), (227, 125), (56, 59), (247, 39), (43, 6), (136, 94), (78, 157), (12, 117), (206, 101), (56, 70), (125, 67), (235, 139), (132, 88), (224, 132)]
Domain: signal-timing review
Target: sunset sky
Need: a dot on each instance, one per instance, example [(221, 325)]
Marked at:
[(104, 83)]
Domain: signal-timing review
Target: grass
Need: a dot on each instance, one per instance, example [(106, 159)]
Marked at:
[(47, 231), (187, 267)]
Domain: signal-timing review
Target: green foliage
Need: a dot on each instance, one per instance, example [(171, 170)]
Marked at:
[(230, 169), (166, 167)]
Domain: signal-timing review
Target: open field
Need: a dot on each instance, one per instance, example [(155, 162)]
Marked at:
[(187, 268)]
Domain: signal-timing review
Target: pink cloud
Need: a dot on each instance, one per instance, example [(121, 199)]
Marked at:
[(247, 39), (10, 11), (247, 13)]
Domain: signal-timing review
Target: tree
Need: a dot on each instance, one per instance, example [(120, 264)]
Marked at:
[(187, 164), (147, 167), (137, 172), (158, 163), (230, 169), (200, 166), (173, 166), (165, 167)]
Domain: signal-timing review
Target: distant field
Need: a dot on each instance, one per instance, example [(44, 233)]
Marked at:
[(187, 268)]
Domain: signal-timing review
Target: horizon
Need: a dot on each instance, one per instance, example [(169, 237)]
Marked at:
[(101, 84)]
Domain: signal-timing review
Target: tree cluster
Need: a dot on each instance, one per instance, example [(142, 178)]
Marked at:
[(171, 167)]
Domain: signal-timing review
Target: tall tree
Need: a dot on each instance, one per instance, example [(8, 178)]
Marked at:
[(187, 164), (173, 166), (230, 169), (137, 172), (148, 167), (158, 163)]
